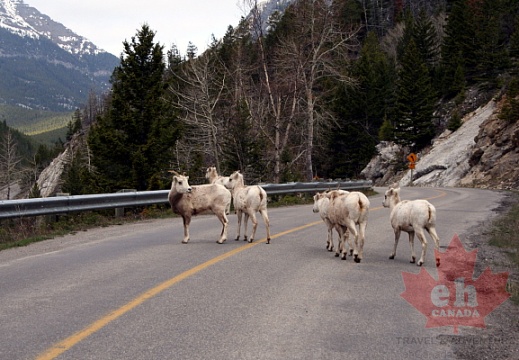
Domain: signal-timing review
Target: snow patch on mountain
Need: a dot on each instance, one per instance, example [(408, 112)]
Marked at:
[(25, 21)]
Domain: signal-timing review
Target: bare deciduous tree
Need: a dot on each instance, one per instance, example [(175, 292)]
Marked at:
[(200, 88), (9, 163), (277, 118), (314, 51)]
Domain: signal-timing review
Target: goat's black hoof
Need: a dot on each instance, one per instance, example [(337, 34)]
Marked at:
[(392, 257)]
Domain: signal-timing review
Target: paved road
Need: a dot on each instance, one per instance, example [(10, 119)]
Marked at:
[(136, 292)]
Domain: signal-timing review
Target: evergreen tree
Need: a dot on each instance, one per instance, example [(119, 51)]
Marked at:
[(132, 142), (490, 50), (74, 124), (459, 48), (360, 111), (514, 42), (415, 101), (387, 131), (427, 41)]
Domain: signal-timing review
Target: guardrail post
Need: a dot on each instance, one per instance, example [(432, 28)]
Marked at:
[(55, 217), (119, 212)]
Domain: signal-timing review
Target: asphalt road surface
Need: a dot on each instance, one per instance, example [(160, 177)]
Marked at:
[(136, 292)]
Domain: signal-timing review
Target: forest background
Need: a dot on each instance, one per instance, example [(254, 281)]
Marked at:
[(305, 94)]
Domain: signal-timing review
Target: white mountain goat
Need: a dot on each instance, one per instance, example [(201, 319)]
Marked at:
[(412, 216), (248, 200), (321, 204), (187, 201), (212, 175), (346, 212)]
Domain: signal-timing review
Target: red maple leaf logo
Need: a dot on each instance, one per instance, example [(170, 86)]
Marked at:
[(455, 299)]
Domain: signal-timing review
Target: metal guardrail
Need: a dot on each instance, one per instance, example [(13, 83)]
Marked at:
[(75, 203)]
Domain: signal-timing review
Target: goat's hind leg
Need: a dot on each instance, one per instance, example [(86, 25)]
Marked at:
[(411, 244), (225, 223), (340, 241), (251, 238), (434, 235), (397, 237), (353, 247), (423, 240), (238, 215), (361, 238), (266, 220)]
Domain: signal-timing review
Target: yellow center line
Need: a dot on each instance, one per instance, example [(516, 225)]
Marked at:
[(64, 345)]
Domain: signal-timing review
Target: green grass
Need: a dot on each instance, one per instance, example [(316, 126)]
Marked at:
[(49, 138), (504, 234), (46, 125)]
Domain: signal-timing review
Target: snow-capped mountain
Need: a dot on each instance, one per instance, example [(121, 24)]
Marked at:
[(25, 21), (44, 65)]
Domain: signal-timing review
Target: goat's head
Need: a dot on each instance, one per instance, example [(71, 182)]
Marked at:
[(317, 202), (180, 183), (392, 195), (235, 178), (211, 172)]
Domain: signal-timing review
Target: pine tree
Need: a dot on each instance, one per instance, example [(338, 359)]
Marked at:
[(74, 124), (415, 101), (459, 48), (426, 40), (132, 142), (387, 131)]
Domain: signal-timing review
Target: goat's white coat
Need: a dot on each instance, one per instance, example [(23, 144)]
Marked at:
[(248, 200), (321, 204), (187, 201), (412, 216), (346, 212), (212, 175)]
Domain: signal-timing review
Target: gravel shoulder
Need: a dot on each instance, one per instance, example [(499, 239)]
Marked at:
[(500, 338)]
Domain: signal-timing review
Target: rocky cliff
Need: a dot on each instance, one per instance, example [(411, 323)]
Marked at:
[(483, 152)]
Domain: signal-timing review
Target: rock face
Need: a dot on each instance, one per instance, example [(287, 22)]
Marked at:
[(49, 182), (494, 163), (483, 152)]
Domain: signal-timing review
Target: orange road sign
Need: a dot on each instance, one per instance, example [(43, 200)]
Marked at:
[(411, 165), (412, 157)]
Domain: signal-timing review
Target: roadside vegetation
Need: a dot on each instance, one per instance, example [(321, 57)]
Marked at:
[(504, 235)]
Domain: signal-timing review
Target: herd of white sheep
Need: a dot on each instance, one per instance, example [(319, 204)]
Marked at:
[(343, 211)]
